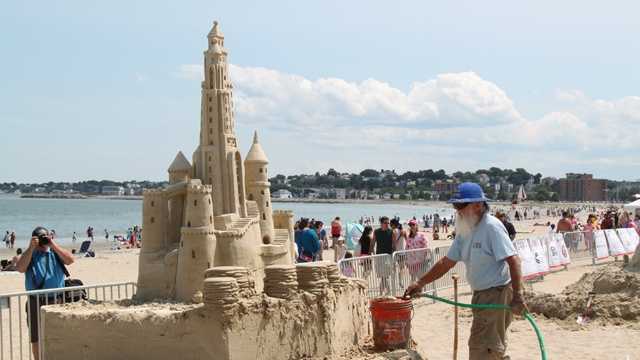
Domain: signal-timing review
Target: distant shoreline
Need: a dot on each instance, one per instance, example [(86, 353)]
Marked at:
[(80, 197)]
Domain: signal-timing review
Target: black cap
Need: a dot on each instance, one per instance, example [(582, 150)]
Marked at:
[(40, 231)]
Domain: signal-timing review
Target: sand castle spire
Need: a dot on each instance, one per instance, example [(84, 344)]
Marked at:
[(258, 184)]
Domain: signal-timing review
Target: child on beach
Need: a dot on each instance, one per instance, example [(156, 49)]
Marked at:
[(347, 268)]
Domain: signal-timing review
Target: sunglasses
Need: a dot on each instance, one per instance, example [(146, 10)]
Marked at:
[(460, 206)]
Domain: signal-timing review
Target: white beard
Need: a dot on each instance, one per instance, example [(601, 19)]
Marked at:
[(465, 226)]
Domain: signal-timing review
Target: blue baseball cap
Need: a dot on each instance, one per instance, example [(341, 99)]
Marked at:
[(468, 192)]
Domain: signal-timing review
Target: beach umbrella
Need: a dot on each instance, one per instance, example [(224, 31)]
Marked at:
[(352, 235)]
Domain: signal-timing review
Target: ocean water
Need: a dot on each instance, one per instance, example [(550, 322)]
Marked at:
[(66, 215)]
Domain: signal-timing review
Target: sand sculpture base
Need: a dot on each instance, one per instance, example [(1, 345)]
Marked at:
[(254, 326)]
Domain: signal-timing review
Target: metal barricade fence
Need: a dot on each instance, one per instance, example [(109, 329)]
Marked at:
[(409, 266), (446, 281), (15, 319), (376, 270), (580, 244)]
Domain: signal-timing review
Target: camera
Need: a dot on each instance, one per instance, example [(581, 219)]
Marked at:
[(42, 234), (43, 239)]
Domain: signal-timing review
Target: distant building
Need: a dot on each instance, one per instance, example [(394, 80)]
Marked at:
[(483, 178), (341, 194), (113, 190), (445, 187), (282, 194), (582, 187), (386, 196)]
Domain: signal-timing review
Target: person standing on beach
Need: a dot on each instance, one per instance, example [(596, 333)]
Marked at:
[(511, 230), (564, 224), (383, 244), (12, 239), (492, 268), (336, 230), (74, 237), (7, 239), (43, 265), (106, 234)]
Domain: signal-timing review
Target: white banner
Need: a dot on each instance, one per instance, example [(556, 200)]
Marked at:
[(553, 250), (564, 252), (539, 254), (602, 251), (615, 245), (527, 259), (629, 238)]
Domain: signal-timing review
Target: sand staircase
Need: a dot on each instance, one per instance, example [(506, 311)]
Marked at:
[(252, 209), (281, 236)]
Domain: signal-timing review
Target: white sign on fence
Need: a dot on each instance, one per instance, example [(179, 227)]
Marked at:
[(602, 251), (527, 259), (629, 238), (615, 245), (539, 251), (558, 252)]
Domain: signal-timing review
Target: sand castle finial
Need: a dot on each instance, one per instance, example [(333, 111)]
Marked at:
[(255, 136)]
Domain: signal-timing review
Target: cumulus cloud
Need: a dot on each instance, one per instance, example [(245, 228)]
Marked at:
[(455, 112)]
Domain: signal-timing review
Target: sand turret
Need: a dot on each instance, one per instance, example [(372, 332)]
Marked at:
[(180, 169), (197, 243), (257, 182)]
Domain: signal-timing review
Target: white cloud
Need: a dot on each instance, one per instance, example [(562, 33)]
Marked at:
[(457, 113)]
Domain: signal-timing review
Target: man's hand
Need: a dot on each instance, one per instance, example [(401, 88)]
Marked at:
[(413, 290), (518, 306), (34, 242)]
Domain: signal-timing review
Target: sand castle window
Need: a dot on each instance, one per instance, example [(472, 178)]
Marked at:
[(152, 220), (250, 196), (153, 203), (211, 219), (264, 217), (210, 120), (267, 205), (262, 192), (195, 202), (210, 142), (188, 223), (193, 254), (261, 170)]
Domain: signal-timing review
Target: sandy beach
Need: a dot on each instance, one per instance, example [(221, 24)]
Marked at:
[(432, 323)]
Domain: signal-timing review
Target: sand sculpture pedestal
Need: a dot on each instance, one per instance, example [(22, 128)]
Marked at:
[(326, 315)]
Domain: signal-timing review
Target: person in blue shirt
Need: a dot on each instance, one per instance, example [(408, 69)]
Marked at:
[(42, 265), (492, 268), (309, 244)]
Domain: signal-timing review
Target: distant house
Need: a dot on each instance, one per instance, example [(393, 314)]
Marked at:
[(396, 196), (373, 197), (341, 194), (362, 194), (113, 190), (386, 196), (282, 194)]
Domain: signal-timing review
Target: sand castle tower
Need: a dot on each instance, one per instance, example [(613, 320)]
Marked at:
[(202, 219), (217, 161), (258, 185), (197, 242)]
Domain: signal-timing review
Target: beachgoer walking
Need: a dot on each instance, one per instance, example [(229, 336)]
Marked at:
[(90, 233), (12, 239), (74, 237), (445, 226), (106, 234), (7, 239), (42, 263), (493, 271)]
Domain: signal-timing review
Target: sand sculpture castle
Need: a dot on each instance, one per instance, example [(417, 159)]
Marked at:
[(215, 211), (222, 293)]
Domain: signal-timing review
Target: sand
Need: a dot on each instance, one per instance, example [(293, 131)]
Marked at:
[(433, 323)]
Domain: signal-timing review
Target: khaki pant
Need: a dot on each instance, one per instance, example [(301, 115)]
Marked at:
[(488, 339)]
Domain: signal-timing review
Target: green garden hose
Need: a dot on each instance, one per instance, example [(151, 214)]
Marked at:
[(527, 316)]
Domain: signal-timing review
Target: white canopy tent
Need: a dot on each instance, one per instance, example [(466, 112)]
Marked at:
[(633, 206)]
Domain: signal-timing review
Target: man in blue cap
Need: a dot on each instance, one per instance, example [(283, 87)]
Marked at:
[(492, 268)]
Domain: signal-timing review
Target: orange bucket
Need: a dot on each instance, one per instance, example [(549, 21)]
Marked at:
[(391, 320)]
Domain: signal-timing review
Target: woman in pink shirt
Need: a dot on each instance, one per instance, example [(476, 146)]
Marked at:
[(416, 259)]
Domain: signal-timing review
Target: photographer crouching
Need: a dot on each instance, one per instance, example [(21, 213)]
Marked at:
[(43, 265)]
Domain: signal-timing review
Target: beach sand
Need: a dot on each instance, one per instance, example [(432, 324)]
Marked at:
[(432, 323)]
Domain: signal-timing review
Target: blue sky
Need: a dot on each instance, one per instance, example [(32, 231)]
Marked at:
[(110, 90)]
